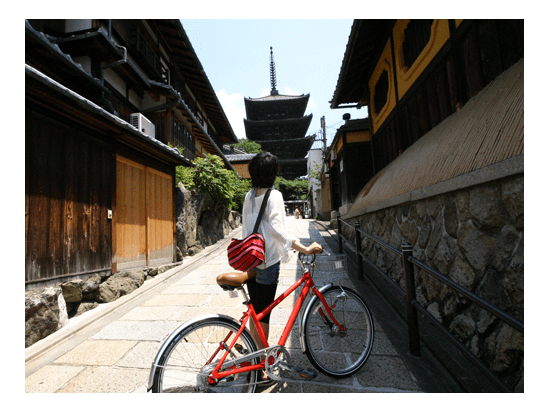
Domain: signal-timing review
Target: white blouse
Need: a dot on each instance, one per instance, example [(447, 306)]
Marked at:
[(278, 241)]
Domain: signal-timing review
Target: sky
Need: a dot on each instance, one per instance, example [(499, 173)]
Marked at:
[(308, 55)]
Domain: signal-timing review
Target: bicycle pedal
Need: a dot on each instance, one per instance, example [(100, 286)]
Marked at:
[(241, 349), (308, 374)]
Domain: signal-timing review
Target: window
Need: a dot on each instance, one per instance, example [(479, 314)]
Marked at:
[(183, 138), (381, 92), (417, 35)]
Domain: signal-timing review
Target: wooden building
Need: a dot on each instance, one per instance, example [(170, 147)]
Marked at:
[(277, 122), (239, 160), (413, 74), (106, 103), (350, 162), (445, 102)]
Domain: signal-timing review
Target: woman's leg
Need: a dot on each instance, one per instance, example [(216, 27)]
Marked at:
[(256, 335)]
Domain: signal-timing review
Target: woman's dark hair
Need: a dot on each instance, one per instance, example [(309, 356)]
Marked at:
[(263, 169)]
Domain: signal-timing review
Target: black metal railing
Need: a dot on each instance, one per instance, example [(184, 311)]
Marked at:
[(412, 305)]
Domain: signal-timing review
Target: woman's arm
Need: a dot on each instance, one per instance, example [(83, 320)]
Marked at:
[(308, 250), (276, 216)]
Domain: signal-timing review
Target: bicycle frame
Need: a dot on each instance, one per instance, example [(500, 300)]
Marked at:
[(226, 368)]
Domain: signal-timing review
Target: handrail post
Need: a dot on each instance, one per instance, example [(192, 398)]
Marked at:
[(412, 315), (358, 249), (340, 248)]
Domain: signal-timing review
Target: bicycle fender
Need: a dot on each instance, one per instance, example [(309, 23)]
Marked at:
[(306, 311), (176, 332)]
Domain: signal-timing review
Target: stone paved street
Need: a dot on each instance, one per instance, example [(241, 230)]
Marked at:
[(110, 349)]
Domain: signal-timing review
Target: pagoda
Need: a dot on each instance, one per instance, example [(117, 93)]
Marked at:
[(278, 124)]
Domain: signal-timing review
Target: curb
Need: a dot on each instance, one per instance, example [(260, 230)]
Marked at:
[(95, 315)]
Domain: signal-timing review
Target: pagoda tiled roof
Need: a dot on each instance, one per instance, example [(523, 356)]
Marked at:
[(278, 97), (288, 148), (293, 168), (258, 130), (276, 107)]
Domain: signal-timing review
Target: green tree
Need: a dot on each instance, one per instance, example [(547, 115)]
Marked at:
[(316, 171), (211, 178), (294, 189), (248, 146)]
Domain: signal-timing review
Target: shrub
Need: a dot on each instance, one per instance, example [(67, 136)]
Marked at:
[(295, 189), (212, 179), (248, 146)]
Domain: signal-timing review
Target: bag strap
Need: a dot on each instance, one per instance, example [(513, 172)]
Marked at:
[(262, 209)]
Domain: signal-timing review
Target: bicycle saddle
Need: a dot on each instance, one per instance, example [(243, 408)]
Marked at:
[(232, 280)]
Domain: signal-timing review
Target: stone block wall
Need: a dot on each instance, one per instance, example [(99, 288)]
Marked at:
[(475, 237)]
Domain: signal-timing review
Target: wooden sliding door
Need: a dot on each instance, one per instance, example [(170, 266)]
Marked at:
[(144, 216)]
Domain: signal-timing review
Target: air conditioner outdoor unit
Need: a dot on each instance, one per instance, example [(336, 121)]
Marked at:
[(143, 124)]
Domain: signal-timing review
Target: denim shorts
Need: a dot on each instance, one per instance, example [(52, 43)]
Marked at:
[(268, 276)]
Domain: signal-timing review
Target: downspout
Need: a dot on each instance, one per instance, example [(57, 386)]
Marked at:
[(107, 66), (117, 63)]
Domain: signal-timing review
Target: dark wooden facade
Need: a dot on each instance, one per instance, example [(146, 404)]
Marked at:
[(350, 161), (69, 178), (469, 55), (99, 193)]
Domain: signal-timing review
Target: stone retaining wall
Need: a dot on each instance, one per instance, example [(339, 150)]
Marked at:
[(475, 237)]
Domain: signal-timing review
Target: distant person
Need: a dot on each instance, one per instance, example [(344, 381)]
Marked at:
[(297, 213)]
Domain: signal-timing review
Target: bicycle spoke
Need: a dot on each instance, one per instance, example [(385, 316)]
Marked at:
[(334, 351), (190, 358)]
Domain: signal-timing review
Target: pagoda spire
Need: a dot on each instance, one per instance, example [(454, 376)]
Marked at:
[(274, 90)]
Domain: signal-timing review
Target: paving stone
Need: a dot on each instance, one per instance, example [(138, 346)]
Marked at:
[(386, 372), (97, 353), (185, 314), (50, 378), (137, 330), (382, 345), (332, 388), (148, 313), (141, 355), (184, 289), (192, 299), (106, 380)]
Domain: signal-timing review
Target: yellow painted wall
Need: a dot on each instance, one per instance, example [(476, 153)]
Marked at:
[(406, 76), (339, 145), (356, 137), (384, 64)]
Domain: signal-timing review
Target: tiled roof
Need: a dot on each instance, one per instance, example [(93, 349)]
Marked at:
[(240, 157)]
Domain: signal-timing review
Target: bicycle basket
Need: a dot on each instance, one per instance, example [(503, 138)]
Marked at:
[(330, 268)]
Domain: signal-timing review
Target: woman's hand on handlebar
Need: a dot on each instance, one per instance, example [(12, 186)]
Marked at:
[(313, 248), (308, 250)]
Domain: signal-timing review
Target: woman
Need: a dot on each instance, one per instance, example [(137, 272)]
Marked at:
[(262, 280)]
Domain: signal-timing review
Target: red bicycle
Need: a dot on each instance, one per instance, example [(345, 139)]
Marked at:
[(216, 353)]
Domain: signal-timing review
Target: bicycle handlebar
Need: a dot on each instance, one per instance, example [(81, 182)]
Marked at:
[(308, 259)]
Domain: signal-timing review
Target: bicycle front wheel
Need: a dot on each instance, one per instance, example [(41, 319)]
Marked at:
[(192, 354), (334, 352)]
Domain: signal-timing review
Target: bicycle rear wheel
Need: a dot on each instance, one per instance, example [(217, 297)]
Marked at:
[(190, 356), (333, 352)]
